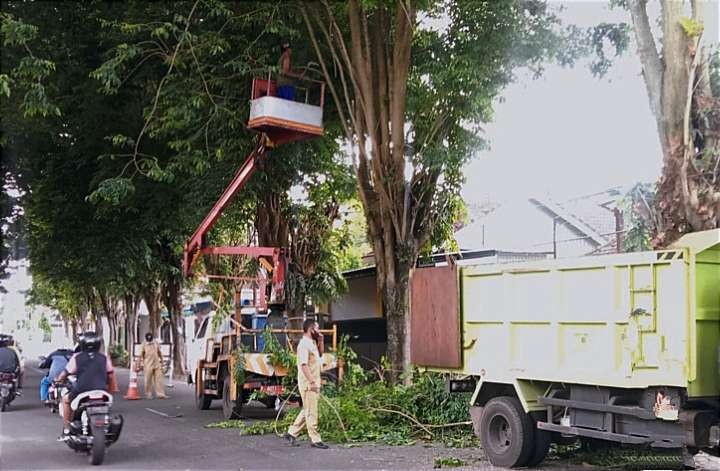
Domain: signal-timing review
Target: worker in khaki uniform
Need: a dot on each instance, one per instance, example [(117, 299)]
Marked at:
[(308, 361), (151, 363)]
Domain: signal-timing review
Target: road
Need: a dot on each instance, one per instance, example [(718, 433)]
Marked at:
[(149, 441)]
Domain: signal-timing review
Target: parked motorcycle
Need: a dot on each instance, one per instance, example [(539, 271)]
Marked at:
[(8, 389), (92, 427)]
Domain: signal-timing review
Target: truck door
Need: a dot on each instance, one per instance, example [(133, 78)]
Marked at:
[(197, 344)]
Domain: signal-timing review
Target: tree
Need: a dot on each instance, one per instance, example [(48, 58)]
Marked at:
[(150, 106), (199, 108), (686, 105), (61, 127), (413, 82)]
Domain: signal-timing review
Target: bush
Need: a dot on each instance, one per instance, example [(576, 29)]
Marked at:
[(118, 355)]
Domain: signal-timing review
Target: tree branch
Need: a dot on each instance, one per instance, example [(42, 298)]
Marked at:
[(162, 82), (651, 63)]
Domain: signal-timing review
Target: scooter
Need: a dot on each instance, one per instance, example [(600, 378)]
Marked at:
[(92, 427), (8, 389)]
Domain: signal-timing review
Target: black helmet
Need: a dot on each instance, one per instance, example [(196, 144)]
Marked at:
[(5, 340), (90, 342)]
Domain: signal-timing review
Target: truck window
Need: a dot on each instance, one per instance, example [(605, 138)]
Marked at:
[(203, 328)]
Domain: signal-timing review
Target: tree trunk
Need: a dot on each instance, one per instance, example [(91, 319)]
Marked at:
[(151, 296), (681, 101), (131, 306), (74, 326), (373, 65), (172, 302), (395, 305)]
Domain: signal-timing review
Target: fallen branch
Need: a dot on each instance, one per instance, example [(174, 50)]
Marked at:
[(452, 424), (342, 425), (407, 416), (163, 413)]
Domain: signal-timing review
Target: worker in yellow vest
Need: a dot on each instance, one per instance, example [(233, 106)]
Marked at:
[(151, 363)]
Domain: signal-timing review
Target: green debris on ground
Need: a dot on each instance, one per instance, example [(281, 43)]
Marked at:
[(448, 462), (366, 408), (615, 457)]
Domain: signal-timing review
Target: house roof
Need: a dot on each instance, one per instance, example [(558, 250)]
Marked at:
[(511, 226)]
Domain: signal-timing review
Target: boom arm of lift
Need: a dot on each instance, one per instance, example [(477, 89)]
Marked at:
[(195, 246)]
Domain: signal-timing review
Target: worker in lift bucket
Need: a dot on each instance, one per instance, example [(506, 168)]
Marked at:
[(285, 82)]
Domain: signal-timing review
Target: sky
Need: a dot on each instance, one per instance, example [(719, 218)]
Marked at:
[(568, 133)]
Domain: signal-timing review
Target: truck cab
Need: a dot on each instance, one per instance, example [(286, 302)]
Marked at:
[(205, 331)]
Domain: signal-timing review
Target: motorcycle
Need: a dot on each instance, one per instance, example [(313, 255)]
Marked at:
[(55, 398), (92, 427), (8, 389)]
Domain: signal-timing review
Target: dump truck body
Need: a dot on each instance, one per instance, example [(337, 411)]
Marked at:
[(603, 335)]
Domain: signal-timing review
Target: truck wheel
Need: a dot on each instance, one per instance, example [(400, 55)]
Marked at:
[(202, 401), (542, 439), (231, 407), (507, 432)]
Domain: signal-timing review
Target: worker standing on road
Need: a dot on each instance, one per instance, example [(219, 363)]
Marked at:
[(309, 361), (151, 364)]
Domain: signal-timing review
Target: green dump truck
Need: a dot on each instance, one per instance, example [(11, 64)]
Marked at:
[(622, 348)]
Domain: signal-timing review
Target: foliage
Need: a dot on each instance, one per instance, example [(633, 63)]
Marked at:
[(118, 354), (639, 217), (715, 72), (691, 27), (239, 364), (44, 324), (366, 408), (280, 356), (615, 458), (447, 462)]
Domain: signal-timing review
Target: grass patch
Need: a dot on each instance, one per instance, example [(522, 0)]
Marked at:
[(448, 462)]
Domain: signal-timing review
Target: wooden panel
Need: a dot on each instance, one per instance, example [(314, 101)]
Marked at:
[(435, 336)]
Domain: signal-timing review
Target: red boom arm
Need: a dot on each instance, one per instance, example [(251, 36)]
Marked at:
[(195, 244)]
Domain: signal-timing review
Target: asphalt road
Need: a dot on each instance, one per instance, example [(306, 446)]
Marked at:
[(149, 441)]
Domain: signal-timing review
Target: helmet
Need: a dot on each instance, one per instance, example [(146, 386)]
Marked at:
[(89, 342), (5, 340)]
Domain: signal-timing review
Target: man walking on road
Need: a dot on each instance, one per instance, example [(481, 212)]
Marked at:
[(308, 361), (151, 363)]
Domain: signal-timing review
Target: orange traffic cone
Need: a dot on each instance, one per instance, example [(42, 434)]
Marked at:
[(132, 393), (113, 385)]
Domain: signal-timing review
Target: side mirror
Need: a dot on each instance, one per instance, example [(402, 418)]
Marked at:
[(42, 358)]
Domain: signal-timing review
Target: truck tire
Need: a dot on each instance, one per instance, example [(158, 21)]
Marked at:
[(541, 446), (202, 401), (507, 433), (231, 406)]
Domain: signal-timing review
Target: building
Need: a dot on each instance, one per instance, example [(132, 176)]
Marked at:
[(586, 225), (358, 313)]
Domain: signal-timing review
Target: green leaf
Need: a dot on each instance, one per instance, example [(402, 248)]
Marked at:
[(691, 27)]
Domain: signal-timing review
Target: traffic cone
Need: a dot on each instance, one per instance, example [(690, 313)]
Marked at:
[(132, 393), (113, 386)]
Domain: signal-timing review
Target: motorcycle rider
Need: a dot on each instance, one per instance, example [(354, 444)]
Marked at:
[(9, 360), (56, 362), (93, 369)]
